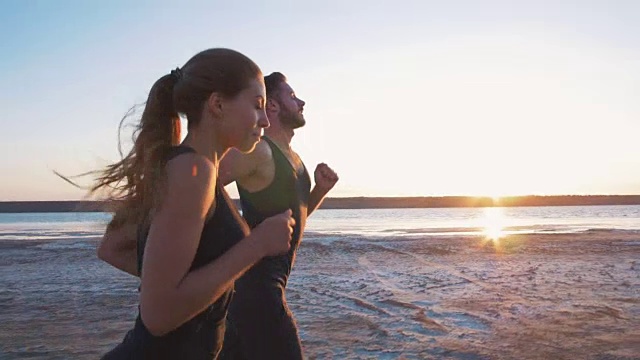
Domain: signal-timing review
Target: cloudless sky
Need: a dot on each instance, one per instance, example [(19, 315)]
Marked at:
[(404, 98)]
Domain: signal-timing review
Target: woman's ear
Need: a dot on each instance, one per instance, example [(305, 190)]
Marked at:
[(215, 104)]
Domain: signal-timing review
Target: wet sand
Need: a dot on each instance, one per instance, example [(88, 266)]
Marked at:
[(522, 297), (543, 296)]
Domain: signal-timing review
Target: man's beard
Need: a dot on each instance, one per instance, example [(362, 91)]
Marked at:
[(292, 119)]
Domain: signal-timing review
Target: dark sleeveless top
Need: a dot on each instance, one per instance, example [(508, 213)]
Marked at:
[(202, 336), (289, 189)]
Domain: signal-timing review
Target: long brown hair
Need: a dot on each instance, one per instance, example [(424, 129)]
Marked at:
[(134, 184)]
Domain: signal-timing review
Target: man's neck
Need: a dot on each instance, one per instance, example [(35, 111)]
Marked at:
[(282, 137)]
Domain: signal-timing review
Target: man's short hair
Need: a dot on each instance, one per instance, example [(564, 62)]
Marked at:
[(272, 83)]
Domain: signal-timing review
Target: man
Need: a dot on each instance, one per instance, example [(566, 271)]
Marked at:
[(270, 180)]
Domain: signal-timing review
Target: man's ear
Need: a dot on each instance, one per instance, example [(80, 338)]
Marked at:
[(215, 104), (272, 106)]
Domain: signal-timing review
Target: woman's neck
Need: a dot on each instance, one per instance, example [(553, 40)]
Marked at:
[(205, 146)]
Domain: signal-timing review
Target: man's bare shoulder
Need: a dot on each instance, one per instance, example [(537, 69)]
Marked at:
[(263, 168), (262, 152), (239, 166)]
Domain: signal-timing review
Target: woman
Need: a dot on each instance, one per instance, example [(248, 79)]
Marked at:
[(193, 244)]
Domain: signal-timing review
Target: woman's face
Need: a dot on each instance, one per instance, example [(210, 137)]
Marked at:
[(245, 117)]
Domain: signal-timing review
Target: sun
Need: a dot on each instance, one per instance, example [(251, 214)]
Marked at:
[(494, 223)]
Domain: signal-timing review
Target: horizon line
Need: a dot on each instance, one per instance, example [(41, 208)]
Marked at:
[(381, 197)]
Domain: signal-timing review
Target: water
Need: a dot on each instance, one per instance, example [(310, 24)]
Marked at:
[(472, 221), (371, 222), (52, 226), (460, 283)]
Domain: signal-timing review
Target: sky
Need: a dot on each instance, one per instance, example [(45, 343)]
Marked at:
[(404, 98)]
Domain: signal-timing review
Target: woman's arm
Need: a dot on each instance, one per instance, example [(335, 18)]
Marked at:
[(170, 294), (118, 248)]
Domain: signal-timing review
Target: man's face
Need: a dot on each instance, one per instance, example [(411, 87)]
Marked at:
[(291, 107)]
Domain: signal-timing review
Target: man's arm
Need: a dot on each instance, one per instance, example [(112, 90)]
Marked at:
[(325, 179)]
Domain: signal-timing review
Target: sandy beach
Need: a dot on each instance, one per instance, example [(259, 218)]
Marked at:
[(533, 297), (537, 296)]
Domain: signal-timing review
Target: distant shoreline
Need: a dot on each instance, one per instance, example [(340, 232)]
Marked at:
[(366, 203)]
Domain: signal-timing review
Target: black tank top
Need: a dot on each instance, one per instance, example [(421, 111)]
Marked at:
[(289, 189), (202, 336)]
